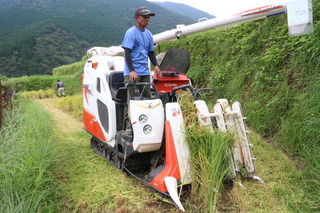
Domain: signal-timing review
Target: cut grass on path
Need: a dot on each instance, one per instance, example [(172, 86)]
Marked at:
[(281, 192)]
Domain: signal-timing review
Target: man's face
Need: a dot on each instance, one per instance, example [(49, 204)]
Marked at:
[(143, 21)]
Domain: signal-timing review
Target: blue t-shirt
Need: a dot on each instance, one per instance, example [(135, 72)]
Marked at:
[(141, 43)]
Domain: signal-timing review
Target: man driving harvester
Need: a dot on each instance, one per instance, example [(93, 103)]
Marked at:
[(138, 47)]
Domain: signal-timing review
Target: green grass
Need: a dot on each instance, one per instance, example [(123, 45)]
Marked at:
[(69, 69), (31, 83), (27, 157), (87, 183), (300, 134), (35, 83), (282, 190)]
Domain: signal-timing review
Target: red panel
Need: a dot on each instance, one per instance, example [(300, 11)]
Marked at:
[(88, 122), (92, 126), (172, 167), (99, 133), (259, 10), (166, 84)]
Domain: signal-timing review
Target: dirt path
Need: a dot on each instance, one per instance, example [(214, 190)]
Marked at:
[(87, 182)]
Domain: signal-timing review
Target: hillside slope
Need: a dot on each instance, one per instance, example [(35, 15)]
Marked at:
[(275, 77)]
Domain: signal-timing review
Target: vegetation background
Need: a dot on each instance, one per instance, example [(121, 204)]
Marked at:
[(39, 35), (274, 76)]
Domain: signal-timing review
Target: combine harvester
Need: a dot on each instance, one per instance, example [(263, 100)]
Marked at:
[(145, 136)]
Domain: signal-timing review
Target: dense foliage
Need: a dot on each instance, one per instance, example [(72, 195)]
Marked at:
[(39, 52), (38, 35)]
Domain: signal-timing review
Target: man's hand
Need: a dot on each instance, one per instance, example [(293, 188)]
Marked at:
[(133, 76), (158, 71)]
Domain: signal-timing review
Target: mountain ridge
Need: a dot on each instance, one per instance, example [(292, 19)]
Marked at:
[(185, 10)]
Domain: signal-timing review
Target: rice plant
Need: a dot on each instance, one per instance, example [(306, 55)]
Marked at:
[(210, 154), (210, 158), (72, 104), (40, 94)]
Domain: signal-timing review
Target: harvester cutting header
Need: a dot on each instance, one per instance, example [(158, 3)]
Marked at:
[(145, 136)]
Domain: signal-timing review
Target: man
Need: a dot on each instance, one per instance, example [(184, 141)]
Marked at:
[(60, 86), (138, 47)]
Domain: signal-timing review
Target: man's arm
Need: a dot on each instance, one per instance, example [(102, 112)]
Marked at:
[(155, 63), (128, 58)]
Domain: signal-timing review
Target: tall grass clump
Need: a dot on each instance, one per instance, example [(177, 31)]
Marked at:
[(210, 155), (26, 160)]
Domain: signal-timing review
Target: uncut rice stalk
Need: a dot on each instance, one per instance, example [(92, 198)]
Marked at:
[(209, 158)]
